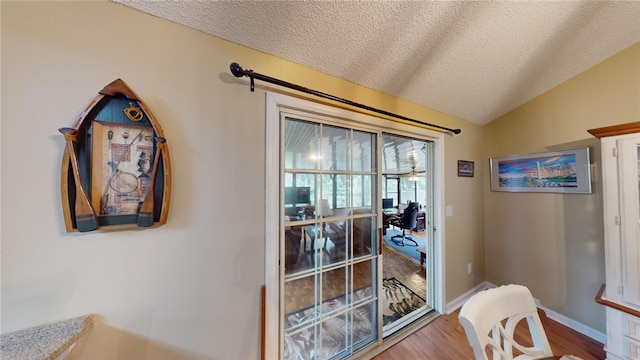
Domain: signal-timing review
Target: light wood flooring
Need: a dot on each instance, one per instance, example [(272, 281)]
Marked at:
[(404, 268), (444, 339)]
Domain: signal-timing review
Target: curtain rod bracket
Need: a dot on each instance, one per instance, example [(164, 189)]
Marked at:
[(239, 72)]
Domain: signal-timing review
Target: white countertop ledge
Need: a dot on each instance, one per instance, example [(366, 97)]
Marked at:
[(45, 341)]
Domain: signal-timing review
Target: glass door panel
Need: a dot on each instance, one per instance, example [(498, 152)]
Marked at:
[(363, 152), (303, 150), (329, 240), (336, 148)]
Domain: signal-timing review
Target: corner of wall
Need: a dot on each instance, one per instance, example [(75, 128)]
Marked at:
[(456, 303)]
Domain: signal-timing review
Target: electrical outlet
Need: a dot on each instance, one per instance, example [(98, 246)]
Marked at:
[(469, 268)]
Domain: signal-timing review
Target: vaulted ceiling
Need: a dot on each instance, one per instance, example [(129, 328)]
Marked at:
[(475, 60)]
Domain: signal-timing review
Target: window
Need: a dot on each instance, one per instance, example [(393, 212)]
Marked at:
[(390, 188)]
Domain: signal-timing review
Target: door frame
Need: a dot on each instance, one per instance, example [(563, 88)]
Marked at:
[(273, 223)]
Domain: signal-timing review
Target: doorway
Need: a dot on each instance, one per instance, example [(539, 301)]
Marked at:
[(407, 192), (324, 259)]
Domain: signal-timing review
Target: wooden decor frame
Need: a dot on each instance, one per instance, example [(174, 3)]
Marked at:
[(116, 171)]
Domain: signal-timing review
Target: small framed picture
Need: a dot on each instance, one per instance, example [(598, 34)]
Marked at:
[(465, 168)]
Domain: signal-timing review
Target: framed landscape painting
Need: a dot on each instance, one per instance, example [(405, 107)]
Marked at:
[(562, 171)]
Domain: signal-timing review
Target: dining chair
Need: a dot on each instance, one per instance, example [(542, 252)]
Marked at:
[(490, 318)]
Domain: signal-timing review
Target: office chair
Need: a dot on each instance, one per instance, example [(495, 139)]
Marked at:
[(407, 221), (483, 318)]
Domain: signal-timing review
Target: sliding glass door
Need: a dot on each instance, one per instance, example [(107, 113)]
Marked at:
[(326, 294), (329, 240)]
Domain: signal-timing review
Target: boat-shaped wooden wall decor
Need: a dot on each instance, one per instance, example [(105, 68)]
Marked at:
[(116, 171)]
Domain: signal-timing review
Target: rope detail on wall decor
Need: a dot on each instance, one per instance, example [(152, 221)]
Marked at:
[(239, 72)]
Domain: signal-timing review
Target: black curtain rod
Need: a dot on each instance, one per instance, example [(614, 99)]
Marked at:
[(239, 72)]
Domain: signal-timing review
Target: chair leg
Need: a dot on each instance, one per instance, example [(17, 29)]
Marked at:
[(399, 243), (409, 238), (404, 238)]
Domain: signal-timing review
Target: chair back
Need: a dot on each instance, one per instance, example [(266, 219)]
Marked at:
[(401, 207), (410, 217), (483, 315)]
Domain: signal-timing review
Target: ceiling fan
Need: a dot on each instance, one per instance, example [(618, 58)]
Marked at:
[(414, 175)]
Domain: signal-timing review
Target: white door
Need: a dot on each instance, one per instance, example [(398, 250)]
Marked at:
[(629, 177)]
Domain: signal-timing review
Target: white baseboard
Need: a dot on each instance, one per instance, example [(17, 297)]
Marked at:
[(575, 325), (570, 323), (460, 300)]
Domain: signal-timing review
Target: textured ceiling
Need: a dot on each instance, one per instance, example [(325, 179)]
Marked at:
[(476, 60)]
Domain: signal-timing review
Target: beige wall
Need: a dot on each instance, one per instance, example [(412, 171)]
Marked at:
[(190, 288), (464, 230), (553, 243)]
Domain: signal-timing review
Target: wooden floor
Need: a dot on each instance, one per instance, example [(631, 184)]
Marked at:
[(407, 270), (445, 339)]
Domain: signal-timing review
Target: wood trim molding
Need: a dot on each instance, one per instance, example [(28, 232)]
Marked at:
[(615, 305), (621, 129)]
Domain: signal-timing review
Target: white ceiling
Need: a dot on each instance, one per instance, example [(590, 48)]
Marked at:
[(476, 60)]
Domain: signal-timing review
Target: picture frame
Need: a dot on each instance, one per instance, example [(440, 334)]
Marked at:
[(561, 171), (465, 168), (115, 172), (122, 159)]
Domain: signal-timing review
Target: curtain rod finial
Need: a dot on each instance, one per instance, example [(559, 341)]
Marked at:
[(237, 70), (457, 131)]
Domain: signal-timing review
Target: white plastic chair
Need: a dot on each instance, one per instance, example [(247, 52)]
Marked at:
[(482, 318)]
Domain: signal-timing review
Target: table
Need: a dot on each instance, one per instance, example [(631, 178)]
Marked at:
[(324, 243), (423, 254)]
